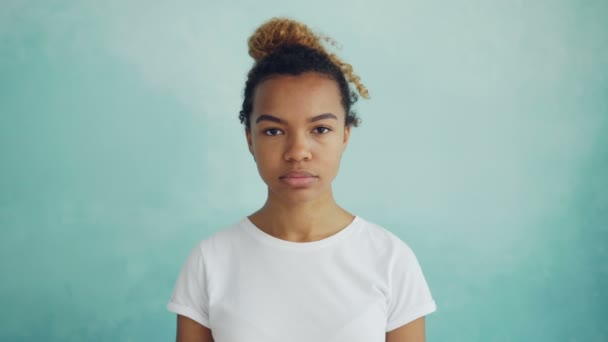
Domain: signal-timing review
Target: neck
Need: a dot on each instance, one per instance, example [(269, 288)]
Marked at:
[(301, 221)]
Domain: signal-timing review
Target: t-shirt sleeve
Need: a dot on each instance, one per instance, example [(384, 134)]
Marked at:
[(410, 297), (189, 297)]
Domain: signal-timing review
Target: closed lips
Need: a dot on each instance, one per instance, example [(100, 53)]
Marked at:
[(298, 174)]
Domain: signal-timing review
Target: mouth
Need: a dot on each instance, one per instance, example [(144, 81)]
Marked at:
[(299, 182), (298, 174), (299, 178)]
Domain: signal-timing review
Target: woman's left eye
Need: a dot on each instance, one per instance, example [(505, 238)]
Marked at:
[(322, 128)]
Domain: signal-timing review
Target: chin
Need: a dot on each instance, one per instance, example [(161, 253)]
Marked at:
[(298, 198), (298, 194)]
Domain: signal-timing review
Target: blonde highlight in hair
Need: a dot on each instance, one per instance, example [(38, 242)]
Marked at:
[(278, 32)]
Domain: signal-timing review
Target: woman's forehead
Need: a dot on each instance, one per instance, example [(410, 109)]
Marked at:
[(286, 121), (305, 94), (307, 81)]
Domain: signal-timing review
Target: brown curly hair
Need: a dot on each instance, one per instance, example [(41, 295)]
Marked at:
[(285, 46)]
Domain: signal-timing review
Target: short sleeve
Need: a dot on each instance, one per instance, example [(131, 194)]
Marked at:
[(189, 297), (410, 297)]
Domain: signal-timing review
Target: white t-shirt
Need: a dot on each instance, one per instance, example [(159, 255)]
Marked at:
[(355, 285)]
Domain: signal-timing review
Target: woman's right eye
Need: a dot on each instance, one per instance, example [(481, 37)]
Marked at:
[(272, 131)]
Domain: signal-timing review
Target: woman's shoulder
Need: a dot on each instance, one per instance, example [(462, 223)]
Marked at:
[(221, 237), (384, 237)]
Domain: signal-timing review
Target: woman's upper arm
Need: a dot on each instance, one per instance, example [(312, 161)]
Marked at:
[(411, 332), (189, 330)]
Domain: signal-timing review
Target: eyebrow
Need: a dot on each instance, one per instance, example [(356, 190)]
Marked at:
[(269, 117)]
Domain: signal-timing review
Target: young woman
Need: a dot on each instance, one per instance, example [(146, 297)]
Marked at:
[(301, 268)]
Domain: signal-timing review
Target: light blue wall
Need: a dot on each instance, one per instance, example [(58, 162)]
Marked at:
[(485, 147)]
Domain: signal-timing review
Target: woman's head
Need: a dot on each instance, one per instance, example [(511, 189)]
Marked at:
[(297, 111), (283, 46)]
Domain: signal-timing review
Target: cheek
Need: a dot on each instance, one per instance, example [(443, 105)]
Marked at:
[(266, 159), (266, 150), (330, 156)]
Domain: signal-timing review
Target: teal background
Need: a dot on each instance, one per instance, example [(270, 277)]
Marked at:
[(484, 147)]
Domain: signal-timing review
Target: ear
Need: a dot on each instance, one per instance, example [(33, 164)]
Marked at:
[(249, 141), (346, 136)]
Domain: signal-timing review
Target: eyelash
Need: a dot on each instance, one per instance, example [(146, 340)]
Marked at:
[(316, 128)]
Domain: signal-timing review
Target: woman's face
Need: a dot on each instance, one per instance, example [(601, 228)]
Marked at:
[(297, 124)]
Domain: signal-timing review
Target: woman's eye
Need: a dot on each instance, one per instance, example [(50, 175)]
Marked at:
[(325, 130), (272, 131), (276, 131)]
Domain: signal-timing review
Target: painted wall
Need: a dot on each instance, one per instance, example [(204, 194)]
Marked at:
[(484, 146)]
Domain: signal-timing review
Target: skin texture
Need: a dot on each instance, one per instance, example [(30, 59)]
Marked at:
[(191, 331), (298, 213), (411, 332)]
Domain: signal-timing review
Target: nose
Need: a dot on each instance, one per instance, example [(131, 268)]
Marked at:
[(298, 148)]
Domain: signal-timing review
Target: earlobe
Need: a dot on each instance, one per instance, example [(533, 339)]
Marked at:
[(248, 138), (251, 151), (346, 135), (249, 143)]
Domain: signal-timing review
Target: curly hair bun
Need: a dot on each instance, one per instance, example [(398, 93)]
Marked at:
[(278, 32)]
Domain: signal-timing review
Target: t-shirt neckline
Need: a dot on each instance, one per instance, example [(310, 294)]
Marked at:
[(264, 237)]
